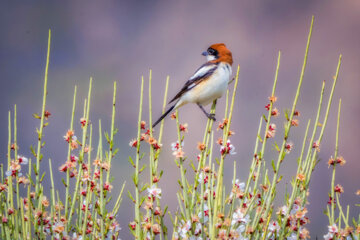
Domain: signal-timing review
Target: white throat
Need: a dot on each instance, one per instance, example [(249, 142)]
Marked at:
[(210, 58)]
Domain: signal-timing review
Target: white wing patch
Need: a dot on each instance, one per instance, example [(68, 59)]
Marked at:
[(192, 85), (201, 72)]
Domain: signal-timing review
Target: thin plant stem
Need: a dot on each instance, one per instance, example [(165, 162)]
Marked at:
[(68, 156), (40, 131), (136, 178)]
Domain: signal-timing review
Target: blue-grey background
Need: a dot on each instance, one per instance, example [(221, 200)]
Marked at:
[(121, 40)]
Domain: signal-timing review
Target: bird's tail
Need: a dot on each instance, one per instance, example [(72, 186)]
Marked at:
[(164, 115)]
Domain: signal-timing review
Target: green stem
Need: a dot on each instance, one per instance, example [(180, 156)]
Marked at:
[(67, 197), (271, 193), (334, 168), (136, 180), (40, 133), (221, 168), (111, 144), (81, 158)]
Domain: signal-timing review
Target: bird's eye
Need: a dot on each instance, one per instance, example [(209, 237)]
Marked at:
[(211, 51)]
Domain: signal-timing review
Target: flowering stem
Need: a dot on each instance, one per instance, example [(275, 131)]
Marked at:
[(307, 163), (231, 210), (68, 157), (301, 168), (29, 210), (151, 154), (136, 179), (81, 157), (254, 162), (102, 204), (17, 230), (182, 171), (208, 129), (10, 178), (313, 159), (334, 168), (221, 168), (88, 191), (111, 143), (40, 132), (162, 122), (52, 195), (261, 154), (271, 192), (163, 227)]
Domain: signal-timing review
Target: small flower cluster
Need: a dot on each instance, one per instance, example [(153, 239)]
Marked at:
[(176, 147), (271, 131), (228, 148), (70, 165), (237, 190), (335, 233), (296, 220), (146, 136), (72, 139), (15, 169), (339, 160)]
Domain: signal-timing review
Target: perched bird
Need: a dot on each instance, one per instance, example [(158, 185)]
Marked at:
[(208, 83)]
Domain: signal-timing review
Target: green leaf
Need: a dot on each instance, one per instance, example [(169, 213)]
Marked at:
[(164, 229), (131, 162), (193, 166), (115, 151), (63, 181), (286, 113), (36, 116), (116, 130), (144, 187), (283, 155), (276, 147), (264, 117), (141, 201), (354, 221), (132, 231), (176, 162), (34, 168), (135, 179), (142, 168), (273, 165), (42, 177), (131, 197), (32, 150), (107, 137), (165, 210)]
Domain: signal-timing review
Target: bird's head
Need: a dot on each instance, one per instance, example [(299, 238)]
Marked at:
[(218, 52)]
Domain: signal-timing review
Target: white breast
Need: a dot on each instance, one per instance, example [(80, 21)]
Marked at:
[(211, 89)]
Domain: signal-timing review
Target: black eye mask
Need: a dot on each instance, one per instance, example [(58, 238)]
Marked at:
[(213, 52)]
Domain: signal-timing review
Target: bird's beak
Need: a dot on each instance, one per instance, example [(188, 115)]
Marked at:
[(205, 54)]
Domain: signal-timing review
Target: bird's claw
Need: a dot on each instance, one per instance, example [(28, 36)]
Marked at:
[(212, 116)]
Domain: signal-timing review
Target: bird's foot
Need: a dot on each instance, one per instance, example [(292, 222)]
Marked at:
[(211, 116)]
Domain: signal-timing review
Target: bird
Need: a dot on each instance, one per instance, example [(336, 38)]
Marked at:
[(208, 83)]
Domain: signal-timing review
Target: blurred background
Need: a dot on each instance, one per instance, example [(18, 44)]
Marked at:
[(121, 40)]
